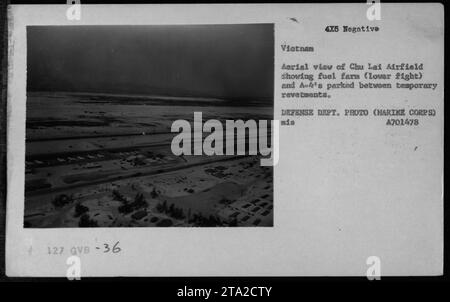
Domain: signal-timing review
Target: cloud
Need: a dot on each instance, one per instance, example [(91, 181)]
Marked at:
[(223, 61)]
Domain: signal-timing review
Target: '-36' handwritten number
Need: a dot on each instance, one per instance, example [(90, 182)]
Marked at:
[(115, 249)]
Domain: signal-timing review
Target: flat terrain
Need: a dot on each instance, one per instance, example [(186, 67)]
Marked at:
[(105, 161)]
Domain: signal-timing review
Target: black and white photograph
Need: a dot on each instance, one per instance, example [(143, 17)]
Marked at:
[(101, 101), (258, 142)]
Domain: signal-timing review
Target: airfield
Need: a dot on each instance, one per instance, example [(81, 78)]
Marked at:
[(95, 160)]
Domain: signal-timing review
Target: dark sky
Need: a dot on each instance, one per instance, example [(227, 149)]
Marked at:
[(223, 61)]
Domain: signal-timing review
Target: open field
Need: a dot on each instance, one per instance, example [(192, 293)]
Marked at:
[(105, 161)]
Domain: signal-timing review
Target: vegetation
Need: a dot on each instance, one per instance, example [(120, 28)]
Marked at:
[(138, 203), (86, 222), (80, 210), (153, 193), (225, 200), (62, 200), (165, 223), (202, 221), (172, 211), (197, 219), (139, 162), (139, 215), (233, 222), (118, 196)]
